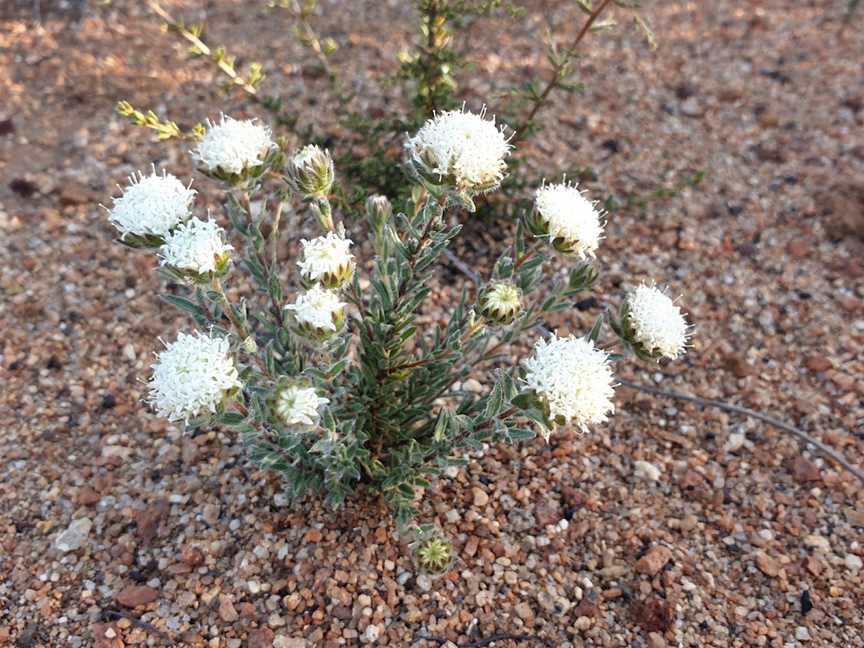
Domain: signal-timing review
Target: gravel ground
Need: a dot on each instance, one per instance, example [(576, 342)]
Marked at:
[(673, 525)]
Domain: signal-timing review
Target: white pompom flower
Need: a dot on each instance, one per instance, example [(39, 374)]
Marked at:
[(192, 376), (654, 324), (574, 379), (299, 405), (327, 259), (151, 206), (318, 312), (462, 148), (573, 223), (233, 146), (198, 247)]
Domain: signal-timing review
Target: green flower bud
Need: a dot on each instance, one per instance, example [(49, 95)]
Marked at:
[(501, 302), (310, 172), (379, 210)]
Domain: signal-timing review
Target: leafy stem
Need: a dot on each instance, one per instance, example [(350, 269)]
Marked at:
[(559, 74), (228, 309)]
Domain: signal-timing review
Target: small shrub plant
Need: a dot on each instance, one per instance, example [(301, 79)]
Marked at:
[(335, 372)]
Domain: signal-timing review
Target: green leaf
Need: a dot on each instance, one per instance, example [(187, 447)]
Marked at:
[(230, 419), (503, 267), (457, 199), (184, 304), (495, 402), (526, 400), (520, 434), (594, 335), (257, 271)]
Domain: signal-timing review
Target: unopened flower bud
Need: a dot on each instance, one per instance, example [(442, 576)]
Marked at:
[(501, 302), (250, 345), (476, 325), (378, 210), (329, 46), (310, 172)]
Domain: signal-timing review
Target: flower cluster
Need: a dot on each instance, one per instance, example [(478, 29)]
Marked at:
[(327, 259), (152, 205), (461, 148), (570, 221), (655, 324), (192, 376), (318, 312), (574, 379), (233, 146), (198, 247), (299, 405)]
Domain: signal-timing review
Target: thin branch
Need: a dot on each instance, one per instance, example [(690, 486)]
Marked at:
[(480, 643), (228, 309), (227, 70), (431, 42), (770, 420), (554, 82), (112, 614), (462, 267)]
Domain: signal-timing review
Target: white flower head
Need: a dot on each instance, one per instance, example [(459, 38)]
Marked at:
[(233, 145), (197, 246), (192, 376), (573, 223), (299, 405), (656, 323), (318, 310), (151, 205), (327, 259), (462, 147), (574, 378)]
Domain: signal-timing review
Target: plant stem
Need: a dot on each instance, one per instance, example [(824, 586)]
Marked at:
[(272, 269), (228, 309), (557, 75), (274, 235), (503, 415), (226, 69), (325, 214), (429, 72), (522, 259)]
